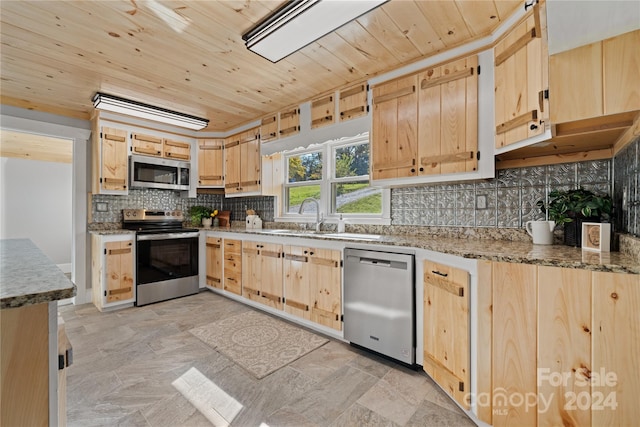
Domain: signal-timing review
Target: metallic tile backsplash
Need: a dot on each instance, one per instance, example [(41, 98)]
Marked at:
[(507, 201), (169, 200), (626, 195)]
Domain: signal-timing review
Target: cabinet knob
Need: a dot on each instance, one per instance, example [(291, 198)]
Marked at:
[(533, 127), (310, 253), (305, 252), (421, 169), (413, 170)]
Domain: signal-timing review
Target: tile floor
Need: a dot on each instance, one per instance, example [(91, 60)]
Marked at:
[(130, 364)]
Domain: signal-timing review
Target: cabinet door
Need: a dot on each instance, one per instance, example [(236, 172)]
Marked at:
[(232, 165), (114, 168), (448, 118), (395, 129), (621, 65), (233, 266), (616, 346), (178, 150), (323, 111), (521, 76), (146, 144), (269, 128), (296, 281), (564, 345), (250, 159), (214, 262), (119, 271), (251, 277), (514, 342), (325, 275), (210, 162), (271, 290), (570, 73), (289, 122), (447, 347)]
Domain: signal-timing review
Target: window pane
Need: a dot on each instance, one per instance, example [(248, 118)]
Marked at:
[(295, 196), (352, 160), (305, 167), (357, 197)]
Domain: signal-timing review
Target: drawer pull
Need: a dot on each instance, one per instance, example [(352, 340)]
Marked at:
[(439, 274)]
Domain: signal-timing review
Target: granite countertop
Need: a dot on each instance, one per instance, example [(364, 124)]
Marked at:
[(28, 277), (112, 232), (485, 249)]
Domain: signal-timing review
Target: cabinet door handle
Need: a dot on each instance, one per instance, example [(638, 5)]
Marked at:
[(439, 273)]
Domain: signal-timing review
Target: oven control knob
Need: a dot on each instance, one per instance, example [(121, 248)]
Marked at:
[(134, 213)]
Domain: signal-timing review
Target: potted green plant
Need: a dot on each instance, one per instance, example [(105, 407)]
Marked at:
[(573, 207), (198, 213)]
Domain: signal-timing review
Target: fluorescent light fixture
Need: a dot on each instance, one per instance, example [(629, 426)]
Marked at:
[(300, 22), (116, 104)]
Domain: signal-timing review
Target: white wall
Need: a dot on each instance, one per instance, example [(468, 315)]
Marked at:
[(35, 200)]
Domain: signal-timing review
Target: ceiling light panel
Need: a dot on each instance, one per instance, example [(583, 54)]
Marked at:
[(301, 22)]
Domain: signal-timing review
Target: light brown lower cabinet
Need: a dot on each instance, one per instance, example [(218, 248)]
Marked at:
[(112, 270), (232, 265), (313, 284), (446, 329), (262, 273), (214, 266), (564, 347)]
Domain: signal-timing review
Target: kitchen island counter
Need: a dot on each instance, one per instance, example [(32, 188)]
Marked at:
[(28, 277)]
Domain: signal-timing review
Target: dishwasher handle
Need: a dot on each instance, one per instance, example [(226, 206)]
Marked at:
[(377, 262)]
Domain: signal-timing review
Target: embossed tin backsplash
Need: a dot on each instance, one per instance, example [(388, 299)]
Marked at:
[(507, 201), (170, 200), (626, 195)]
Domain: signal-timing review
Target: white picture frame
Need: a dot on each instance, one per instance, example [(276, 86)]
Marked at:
[(596, 236)]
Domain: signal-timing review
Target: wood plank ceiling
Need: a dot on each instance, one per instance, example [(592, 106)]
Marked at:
[(56, 54)]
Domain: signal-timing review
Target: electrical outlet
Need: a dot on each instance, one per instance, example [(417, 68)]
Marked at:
[(481, 201), (102, 206)]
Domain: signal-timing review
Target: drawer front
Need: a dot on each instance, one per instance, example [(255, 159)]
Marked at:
[(232, 247), (233, 283)]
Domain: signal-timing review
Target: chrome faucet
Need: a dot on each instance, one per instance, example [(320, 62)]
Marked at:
[(319, 219)]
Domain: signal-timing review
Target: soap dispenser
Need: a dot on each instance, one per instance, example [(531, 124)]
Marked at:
[(341, 224)]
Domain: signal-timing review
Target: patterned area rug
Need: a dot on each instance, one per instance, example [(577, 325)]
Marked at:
[(257, 342)]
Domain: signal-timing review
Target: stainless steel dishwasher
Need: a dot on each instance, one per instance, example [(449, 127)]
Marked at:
[(379, 302)]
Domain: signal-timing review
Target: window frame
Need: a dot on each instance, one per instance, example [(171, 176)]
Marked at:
[(327, 201)]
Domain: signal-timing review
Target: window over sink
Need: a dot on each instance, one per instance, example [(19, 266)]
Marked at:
[(336, 173)]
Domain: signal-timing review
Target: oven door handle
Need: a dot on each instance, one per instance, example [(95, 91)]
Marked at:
[(165, 236)]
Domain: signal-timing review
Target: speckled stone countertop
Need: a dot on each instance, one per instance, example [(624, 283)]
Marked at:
[(28, 277), (112, 232), (518, 250)]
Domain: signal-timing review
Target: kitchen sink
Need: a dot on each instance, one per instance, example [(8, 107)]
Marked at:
[(302, 233)]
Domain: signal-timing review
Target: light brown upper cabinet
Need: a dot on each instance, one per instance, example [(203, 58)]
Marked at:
[(178, 150), (394, 139), (242, 163), (147, 145), (289, 122), (110, 162), (269, 128), (598, 79), (521, 79), (210, 162), (323, 111), (448, 118), (353, 102)]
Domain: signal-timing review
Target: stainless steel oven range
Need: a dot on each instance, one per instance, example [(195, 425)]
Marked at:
[(166, 255)]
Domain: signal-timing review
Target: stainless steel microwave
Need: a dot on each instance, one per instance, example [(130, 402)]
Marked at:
[(156, 172)]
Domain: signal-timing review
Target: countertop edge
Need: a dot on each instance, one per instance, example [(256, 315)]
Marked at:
[(38, 297)]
